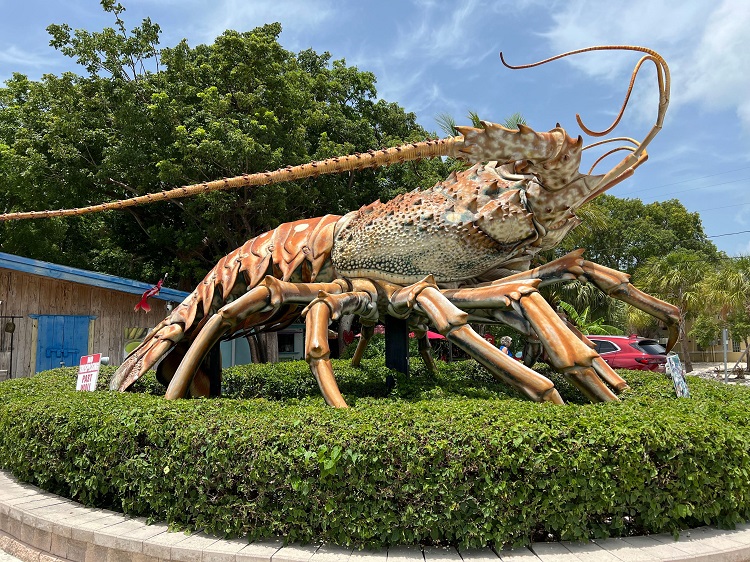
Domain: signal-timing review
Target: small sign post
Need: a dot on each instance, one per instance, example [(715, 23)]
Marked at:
[(674, 369), (88, 372)]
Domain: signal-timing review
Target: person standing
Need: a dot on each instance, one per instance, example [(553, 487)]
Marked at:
[(505, 343)]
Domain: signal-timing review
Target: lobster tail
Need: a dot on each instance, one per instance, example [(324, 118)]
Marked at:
[(298, 250)]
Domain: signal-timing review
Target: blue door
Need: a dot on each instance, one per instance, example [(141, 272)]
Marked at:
[(61, 341)]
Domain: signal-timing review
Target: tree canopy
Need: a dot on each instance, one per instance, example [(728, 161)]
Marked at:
[(143, 118), (629, 232)]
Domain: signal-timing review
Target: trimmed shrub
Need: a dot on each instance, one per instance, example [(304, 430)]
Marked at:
[(453, 458)]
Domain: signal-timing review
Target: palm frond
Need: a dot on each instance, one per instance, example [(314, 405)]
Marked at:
[(447, 124), (513, 121)]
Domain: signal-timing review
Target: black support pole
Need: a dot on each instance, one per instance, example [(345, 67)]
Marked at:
[(397, 345)]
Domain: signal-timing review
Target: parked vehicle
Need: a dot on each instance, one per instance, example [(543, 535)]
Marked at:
[(631, 352)]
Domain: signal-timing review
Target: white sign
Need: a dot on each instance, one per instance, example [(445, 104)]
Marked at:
[(88, 372), (674, 369)]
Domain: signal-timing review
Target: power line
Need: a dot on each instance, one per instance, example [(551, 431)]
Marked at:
[(691, 179), (723, 207), (728, 234), (696, 188)]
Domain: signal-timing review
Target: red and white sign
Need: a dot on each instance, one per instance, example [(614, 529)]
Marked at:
[(88, 372)]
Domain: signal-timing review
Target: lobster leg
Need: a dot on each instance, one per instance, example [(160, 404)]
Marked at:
[(318, 316), (534, 348), (453, 324), (425, 350), (364, 338), (266, 298), (159, 342), (207, 379), (612, 282), (568, 354)]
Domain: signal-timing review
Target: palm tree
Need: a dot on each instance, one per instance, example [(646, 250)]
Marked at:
[(727, 294), (447, 122), (582, 296), (728, 287), (676, 278), (586, 324)]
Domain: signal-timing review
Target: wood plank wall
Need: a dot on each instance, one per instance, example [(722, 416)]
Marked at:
[(23, 294)]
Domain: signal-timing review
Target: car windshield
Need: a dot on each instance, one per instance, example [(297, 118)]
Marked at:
[(652, 347)]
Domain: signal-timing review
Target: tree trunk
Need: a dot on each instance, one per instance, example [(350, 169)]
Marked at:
[(686, 354), (256, 350), (744, 353), (270, 343)]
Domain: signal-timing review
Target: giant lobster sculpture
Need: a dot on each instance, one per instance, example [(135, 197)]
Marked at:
[(442, 257)]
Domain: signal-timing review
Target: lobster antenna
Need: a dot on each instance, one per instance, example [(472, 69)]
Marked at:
[(624, 103), (608, 153), (337, 164), (662, 74), (634, 142)]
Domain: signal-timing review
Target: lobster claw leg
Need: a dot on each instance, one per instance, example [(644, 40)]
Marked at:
[(452, 322), (568, 354), (159, 342)]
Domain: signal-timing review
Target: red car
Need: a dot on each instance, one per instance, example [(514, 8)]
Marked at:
[(631, 352)]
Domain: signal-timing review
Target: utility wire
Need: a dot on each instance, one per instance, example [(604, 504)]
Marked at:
[(728, 234), (691, 179), (691, 188), (724, 207)]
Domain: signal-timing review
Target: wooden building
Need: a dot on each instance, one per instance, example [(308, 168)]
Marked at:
[(51, 315)]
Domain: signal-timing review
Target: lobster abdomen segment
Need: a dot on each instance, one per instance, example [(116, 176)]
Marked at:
[(297, 251)]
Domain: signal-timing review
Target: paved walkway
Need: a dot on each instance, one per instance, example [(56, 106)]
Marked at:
[(715, 372), (37, 526)]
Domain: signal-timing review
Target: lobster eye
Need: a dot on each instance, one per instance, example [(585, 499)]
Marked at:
[(566, 158)]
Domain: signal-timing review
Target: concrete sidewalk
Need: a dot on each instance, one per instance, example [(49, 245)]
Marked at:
[(715, 371)]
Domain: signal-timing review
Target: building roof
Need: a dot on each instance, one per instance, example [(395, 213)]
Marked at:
[(84, 277)]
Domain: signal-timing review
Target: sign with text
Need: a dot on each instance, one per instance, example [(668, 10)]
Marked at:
[(88, 371)]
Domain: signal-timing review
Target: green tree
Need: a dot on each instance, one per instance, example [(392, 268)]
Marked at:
[(739, 329), (706, 329), (624, 234), (726, 290), (143, 119), (629, 232), (676, 278)]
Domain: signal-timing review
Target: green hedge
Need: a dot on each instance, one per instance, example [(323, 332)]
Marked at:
[(455, 458)]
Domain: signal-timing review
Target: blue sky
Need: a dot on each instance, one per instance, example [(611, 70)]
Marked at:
[(436, 57)]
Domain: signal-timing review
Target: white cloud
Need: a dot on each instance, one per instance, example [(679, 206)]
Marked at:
[(17, 57), (440, 34), (705, 44), (718, 72), (242, 15)]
